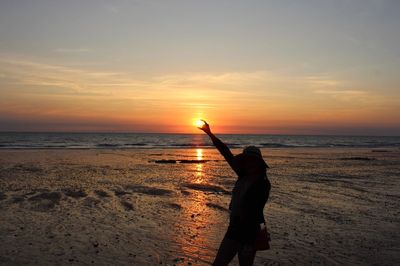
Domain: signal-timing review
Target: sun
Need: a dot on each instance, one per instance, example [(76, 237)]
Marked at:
[(199, 123)]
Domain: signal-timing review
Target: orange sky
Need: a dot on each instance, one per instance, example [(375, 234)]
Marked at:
[(260, 67)]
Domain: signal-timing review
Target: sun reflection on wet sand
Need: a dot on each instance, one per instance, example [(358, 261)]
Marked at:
[(197, 236), (199, 153), (195, 222), (199, 167), (199, 173)]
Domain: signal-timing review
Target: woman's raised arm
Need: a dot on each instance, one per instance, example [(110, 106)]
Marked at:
[(222, 148)]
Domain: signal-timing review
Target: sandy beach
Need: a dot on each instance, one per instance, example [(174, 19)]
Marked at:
[(331, 206)]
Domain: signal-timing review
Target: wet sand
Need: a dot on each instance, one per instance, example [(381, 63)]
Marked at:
[(118, 207)]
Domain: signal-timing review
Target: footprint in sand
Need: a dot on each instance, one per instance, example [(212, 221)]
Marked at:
[(3, 196), (74, 193), (102, 193), (207, 188), (154, 191), (120, 192), (27, 168), (17, 199), (45, 201), (217, 207), (91, 202), (127, 205), (173, 205)]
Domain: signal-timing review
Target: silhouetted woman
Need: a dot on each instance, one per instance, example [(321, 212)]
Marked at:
[(249, 196)]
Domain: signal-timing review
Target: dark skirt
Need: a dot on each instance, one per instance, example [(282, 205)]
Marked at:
[(245, 233)]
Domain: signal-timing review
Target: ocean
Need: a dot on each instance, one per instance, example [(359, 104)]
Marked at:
[(154, 140)]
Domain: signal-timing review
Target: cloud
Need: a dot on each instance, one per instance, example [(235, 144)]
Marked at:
[(257, 88), (322, 81), (342, 92), (119, 84), (353, 96), (233, 89), (72, 50), (37, 74)]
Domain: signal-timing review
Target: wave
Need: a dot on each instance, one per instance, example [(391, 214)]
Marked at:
[(276, 145), (107, 145), (136, 144)]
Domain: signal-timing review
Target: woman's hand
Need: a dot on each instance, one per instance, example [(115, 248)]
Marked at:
[(205, 127)]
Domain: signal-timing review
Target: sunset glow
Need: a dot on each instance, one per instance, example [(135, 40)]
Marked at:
[(276, 68), (199, 123), (199, 153)]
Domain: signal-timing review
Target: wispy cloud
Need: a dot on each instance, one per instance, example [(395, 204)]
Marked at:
[(72, 50), (322, 81), (354, 96), (120, 84), (355, 93), (255, 86)]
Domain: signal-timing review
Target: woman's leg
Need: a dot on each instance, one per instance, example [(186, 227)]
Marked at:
[(226, 252), (246, 254)]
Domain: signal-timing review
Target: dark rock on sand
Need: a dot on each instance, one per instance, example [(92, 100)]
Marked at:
[(165, 161), (193, 161), (206, 188), (150, 190), (180, 161), (358, 159)]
